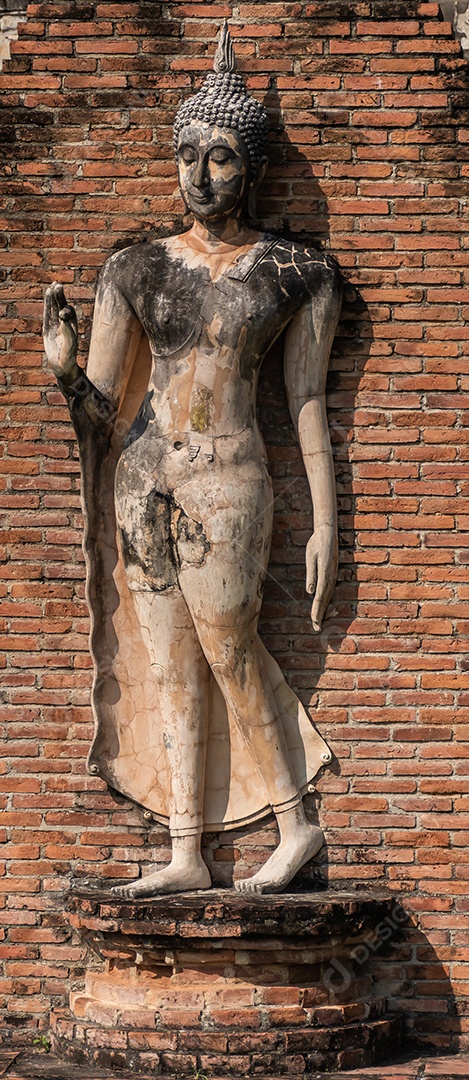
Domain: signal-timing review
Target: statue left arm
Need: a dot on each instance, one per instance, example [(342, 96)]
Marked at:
[(308, 344)]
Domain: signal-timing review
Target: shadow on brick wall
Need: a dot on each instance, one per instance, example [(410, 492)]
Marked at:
[(309, 661), (407, 975), (408, 972)]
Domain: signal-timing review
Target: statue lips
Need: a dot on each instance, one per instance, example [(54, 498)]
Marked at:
[(198, 197)]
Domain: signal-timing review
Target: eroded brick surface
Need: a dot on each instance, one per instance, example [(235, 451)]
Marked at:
[(40, 1067)]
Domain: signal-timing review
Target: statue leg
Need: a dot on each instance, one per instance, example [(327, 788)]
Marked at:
[(223, 594), (182, 679), (234, 656)]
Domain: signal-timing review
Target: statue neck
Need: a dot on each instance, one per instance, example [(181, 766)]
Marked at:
[(221, 235)]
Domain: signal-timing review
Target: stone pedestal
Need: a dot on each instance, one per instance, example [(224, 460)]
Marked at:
[(230, 985)]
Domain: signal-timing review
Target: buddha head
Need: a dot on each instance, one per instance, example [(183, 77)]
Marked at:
[(220, 136)]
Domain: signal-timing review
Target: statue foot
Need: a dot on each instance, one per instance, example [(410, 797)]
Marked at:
[(173, 879), (285, 862)]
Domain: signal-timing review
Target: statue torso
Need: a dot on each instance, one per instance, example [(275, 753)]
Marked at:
[(209, 329)]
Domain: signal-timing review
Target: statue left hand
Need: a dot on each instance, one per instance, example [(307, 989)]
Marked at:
[(321, 570)]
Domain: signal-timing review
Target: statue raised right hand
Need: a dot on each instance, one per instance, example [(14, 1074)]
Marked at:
[(60, 332)]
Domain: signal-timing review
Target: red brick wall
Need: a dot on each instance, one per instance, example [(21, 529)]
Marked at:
[(369, 156)]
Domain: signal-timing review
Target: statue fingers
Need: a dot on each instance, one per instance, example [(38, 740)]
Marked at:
[(51, 311), (322, 597), (68, 315), (56, 308), (50, 328), (317, 614), (60, 329), (68, 324), (65, 310), (59, 295), (311, 572)]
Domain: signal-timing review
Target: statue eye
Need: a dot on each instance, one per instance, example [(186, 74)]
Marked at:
[(188, 154), (220, 155)]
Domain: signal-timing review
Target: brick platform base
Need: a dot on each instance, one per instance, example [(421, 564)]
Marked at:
[(229, 985), (233, 1052), (38, 1066)]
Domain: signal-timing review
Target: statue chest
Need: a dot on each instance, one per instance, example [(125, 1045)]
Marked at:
[(242, 319), (241, 312)]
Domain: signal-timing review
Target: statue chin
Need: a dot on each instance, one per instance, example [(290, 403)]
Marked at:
[(211, 211)]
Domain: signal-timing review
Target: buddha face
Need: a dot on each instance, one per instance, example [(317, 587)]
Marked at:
[(214, 171)]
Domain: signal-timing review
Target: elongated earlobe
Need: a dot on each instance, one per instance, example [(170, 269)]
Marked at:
[(252, 202), (254, 187)]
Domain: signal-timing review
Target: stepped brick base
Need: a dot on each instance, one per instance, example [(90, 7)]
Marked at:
[(229, 985), (229, 1049)]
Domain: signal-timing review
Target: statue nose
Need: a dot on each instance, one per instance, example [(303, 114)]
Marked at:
[(200, 175)]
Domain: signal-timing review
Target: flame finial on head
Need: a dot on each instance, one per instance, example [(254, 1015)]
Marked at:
[(224, 56), (223, 101)]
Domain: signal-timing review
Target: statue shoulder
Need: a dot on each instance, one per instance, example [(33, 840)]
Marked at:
[(319, 272), (127, 269), (328, 268)]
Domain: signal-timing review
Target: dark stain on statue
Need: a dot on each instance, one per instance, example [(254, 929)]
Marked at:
[(191, 542), (150, 546), (169, 314), (166, 540), (142, 419)]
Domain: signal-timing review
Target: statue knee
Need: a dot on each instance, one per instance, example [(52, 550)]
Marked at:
[(232, 665), (223, 672), (164, 675)]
